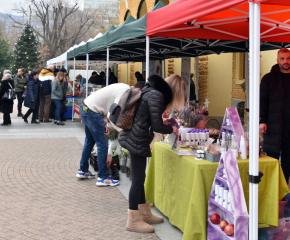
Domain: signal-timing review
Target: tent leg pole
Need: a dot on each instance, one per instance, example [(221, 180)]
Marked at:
[(254, 114), (87, 80), (107, 75), (72, 117), (196, 81), (65, 64), (147, 57), (247, 84), (147, 67), (127, 73)]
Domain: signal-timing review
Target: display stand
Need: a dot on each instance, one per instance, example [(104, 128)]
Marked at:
[(235, 125), (239, 214)]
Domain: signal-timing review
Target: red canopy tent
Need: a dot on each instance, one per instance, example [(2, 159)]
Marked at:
[(246, 20), (219, 19)]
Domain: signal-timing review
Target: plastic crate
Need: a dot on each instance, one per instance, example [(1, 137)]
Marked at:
[(69, 100), (212, 157), (68, 113)]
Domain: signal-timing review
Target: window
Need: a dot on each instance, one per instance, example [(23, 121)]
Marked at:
[(142, 9)]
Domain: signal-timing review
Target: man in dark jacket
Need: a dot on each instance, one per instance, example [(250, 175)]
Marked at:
[(275, 111), (45, 78), (112, 78), (31, 100)]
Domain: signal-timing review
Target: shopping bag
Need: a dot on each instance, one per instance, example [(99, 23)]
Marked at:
[(24, 93)]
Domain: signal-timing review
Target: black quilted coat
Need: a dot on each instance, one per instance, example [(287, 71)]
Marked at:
[(155, 97), (272, 97)]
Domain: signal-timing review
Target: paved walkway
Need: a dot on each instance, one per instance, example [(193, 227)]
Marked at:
[(40, 197)]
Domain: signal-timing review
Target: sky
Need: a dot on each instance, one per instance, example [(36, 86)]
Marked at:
[(7, 5)]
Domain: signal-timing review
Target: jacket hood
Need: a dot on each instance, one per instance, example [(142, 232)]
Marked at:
[(47, 72), (275, 68), (30, 78), (159, 84)]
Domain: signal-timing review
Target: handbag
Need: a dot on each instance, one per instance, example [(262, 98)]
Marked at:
[(9, 94), (24, 93)]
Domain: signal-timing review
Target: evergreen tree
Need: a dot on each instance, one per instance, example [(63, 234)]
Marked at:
[(5, 55), (26, 53)]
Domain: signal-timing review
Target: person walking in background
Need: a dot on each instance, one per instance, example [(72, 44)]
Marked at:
[(6, 104), (63, 102), (157, 96), (20, 82), (45, 78), (37, 68), (31, 99), (58, 88)]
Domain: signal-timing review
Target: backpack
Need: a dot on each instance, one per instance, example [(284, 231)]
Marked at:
[(123, 113)]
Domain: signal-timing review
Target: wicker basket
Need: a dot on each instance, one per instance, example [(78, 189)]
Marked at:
[(207, 127)]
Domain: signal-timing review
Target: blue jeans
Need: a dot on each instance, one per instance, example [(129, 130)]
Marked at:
[(95, 133), (57, 109)]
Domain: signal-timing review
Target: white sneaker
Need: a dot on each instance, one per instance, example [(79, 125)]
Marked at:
[(87, 174), (107, 182)]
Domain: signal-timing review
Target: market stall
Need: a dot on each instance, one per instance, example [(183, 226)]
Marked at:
[(209, 23), (229, 20), (180, 186)]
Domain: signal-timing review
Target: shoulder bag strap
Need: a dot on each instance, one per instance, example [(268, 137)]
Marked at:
[(10, 85)]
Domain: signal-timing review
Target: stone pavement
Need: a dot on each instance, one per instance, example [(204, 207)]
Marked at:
[(42, 199)]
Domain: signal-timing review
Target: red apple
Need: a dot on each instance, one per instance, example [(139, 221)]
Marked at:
[(229, 230), (223, 224), (215, 218)]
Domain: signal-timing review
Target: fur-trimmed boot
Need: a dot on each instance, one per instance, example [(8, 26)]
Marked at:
[(135, 224), (147, 216)]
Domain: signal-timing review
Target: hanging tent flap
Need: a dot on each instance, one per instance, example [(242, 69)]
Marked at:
[(218, 19)]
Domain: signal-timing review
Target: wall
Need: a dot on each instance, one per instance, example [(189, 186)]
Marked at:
[(219, 83), (133, 7), (123, 78), (269, 58)]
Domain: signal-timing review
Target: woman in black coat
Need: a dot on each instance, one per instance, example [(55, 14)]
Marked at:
[(32, 97), (6, 105), (157, 95)]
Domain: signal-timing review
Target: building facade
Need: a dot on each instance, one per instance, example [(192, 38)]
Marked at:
[(221, 77)]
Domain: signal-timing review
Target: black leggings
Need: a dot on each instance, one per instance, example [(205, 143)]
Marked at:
[(137, 193), (20, 101)]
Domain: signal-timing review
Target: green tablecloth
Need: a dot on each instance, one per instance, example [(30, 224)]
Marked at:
[(180, 188)]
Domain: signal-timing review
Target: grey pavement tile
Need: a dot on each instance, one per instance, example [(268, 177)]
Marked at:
[(34, 135), (40, 195), (4, 136), (60, 135)]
